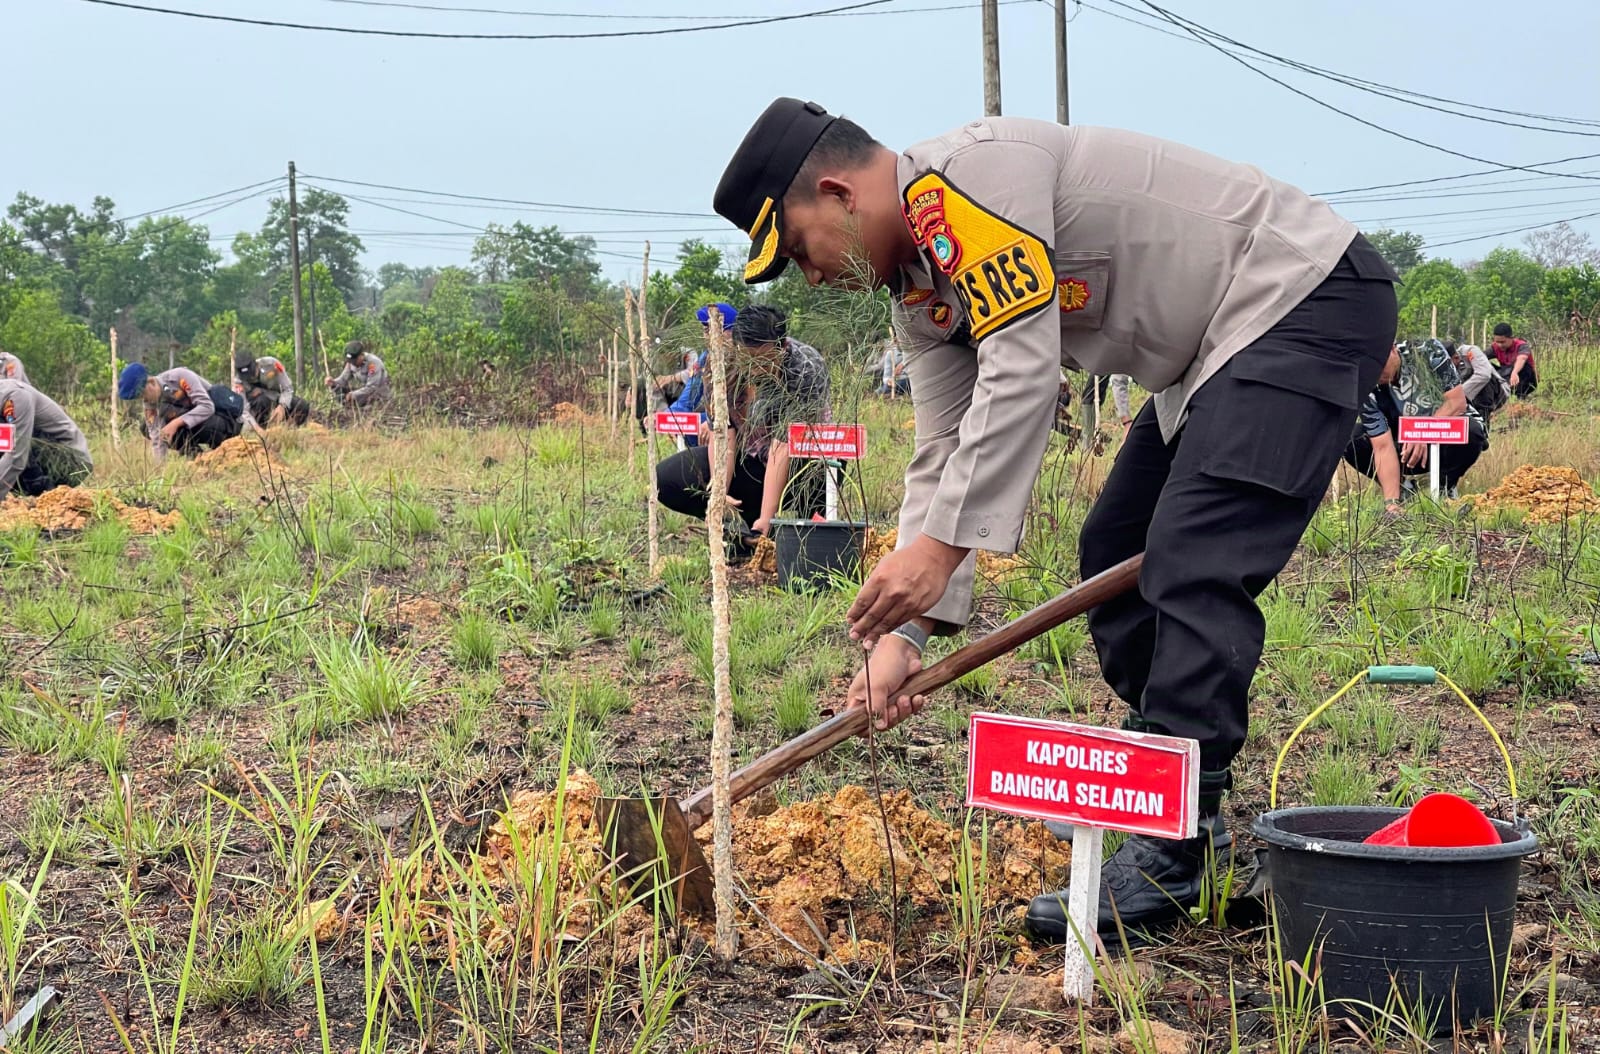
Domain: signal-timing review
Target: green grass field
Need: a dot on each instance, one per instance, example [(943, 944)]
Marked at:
[(250, 765)]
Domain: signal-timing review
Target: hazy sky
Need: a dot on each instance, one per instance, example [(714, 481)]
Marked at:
[(154, 110)]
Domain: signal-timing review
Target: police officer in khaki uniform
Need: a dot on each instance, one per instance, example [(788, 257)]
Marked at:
[(1257, 316)]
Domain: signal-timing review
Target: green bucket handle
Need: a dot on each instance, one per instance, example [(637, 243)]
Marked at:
[(1396, 675)]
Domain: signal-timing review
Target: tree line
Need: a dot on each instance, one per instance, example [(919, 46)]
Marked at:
[(533, 296)]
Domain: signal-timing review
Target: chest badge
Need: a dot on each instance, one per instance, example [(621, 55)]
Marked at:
[(940, 314), (1073, 293)]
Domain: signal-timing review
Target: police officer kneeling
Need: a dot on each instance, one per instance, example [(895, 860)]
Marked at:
[(269, 391), (182, 410), (1011, 247), (48, 449)]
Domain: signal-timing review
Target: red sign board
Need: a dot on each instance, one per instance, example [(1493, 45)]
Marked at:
[(5, 438), (1445, 430), (1085, 776), (839, 442), (669, 423)]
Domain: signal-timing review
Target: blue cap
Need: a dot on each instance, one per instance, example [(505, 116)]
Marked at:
[(725, 310), (131, 382)]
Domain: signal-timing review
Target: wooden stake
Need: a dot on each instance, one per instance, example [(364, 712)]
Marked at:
[(633, 373), (615, 395), (1472, 332), (1434, 328), (727, 937), (650, 433), (116, 433)]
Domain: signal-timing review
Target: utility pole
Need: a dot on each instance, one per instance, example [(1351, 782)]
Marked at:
[(991, 58), (311, 266), (1061, 62), (294, 265)]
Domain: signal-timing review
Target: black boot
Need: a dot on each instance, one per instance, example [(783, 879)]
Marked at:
[(1147, 882)]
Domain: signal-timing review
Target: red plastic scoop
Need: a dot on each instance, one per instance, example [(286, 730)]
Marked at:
[(1438, 820)]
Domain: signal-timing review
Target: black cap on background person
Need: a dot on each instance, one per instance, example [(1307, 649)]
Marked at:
[(760, 325), (354, 350), (750, 193)]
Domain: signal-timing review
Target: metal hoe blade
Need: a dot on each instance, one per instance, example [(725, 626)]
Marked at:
[(651, 843)]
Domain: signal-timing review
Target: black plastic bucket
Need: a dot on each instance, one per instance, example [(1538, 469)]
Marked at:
[(811, 552), (1433, 925)]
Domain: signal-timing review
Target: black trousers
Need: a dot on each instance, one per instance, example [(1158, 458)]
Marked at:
[(1527, 380), (1219, 510), (51, 465), (211, 433), (683, 484), (1454, 460), (263, 402)]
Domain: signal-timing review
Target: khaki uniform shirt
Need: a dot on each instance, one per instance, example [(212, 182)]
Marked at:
[(273, 378), (36, 420), (11, 369), (370, 375), (1107, 251)]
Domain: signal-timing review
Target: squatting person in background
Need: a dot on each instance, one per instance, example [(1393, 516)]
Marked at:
[(1010, 248), (48, 449), (691, 397), (1418, 381), (181, 408), (1515, 358), (11, 368), (364, 382), (773, 381), (269, 391), (1485, 389)]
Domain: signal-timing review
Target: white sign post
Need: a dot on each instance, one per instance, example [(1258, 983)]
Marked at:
[(1095, 779), (833, 443), (1435, 432)]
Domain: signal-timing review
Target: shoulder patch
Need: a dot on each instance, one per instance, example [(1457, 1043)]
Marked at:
[(8, 410), (916, 296), (1000, 272)]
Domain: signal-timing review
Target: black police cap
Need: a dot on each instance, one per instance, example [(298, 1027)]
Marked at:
[(750, 193)]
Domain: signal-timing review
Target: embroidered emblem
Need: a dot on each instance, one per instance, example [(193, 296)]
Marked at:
[(940, 314), (1073, 294)]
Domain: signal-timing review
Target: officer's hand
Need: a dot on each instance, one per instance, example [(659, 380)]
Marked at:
[(1414, 455), (170, 429), (891, 663), (905, 583), (277, 416), (762, 526), (705, 431), (329, 381)]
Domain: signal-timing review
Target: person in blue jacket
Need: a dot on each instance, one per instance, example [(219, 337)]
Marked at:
[(692, 398)]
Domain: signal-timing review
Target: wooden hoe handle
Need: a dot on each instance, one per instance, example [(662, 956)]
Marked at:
[(847, 724)]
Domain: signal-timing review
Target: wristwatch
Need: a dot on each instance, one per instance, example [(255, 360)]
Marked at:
[(913, 635)]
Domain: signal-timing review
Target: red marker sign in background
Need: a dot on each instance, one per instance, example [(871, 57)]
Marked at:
[(1088, 777), (669, 423), (838, 442), (5, 438), (1450, 431)]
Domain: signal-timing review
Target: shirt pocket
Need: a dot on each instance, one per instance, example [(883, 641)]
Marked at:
[(1083, 286)]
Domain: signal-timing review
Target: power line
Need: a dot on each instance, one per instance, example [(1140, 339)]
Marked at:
[(1515, 230), (1477, 212), (1470, 190), (1388, 91), (602, 16), (196, 201), (205, 16), (1446, 179), (550, 206), (1182, 23)]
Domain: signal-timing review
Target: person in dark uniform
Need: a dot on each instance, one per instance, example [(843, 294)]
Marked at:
[(773, 381), (1419, 380), (1257, 316)]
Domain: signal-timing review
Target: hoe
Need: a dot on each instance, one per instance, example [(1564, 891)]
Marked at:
[(660, 831)]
